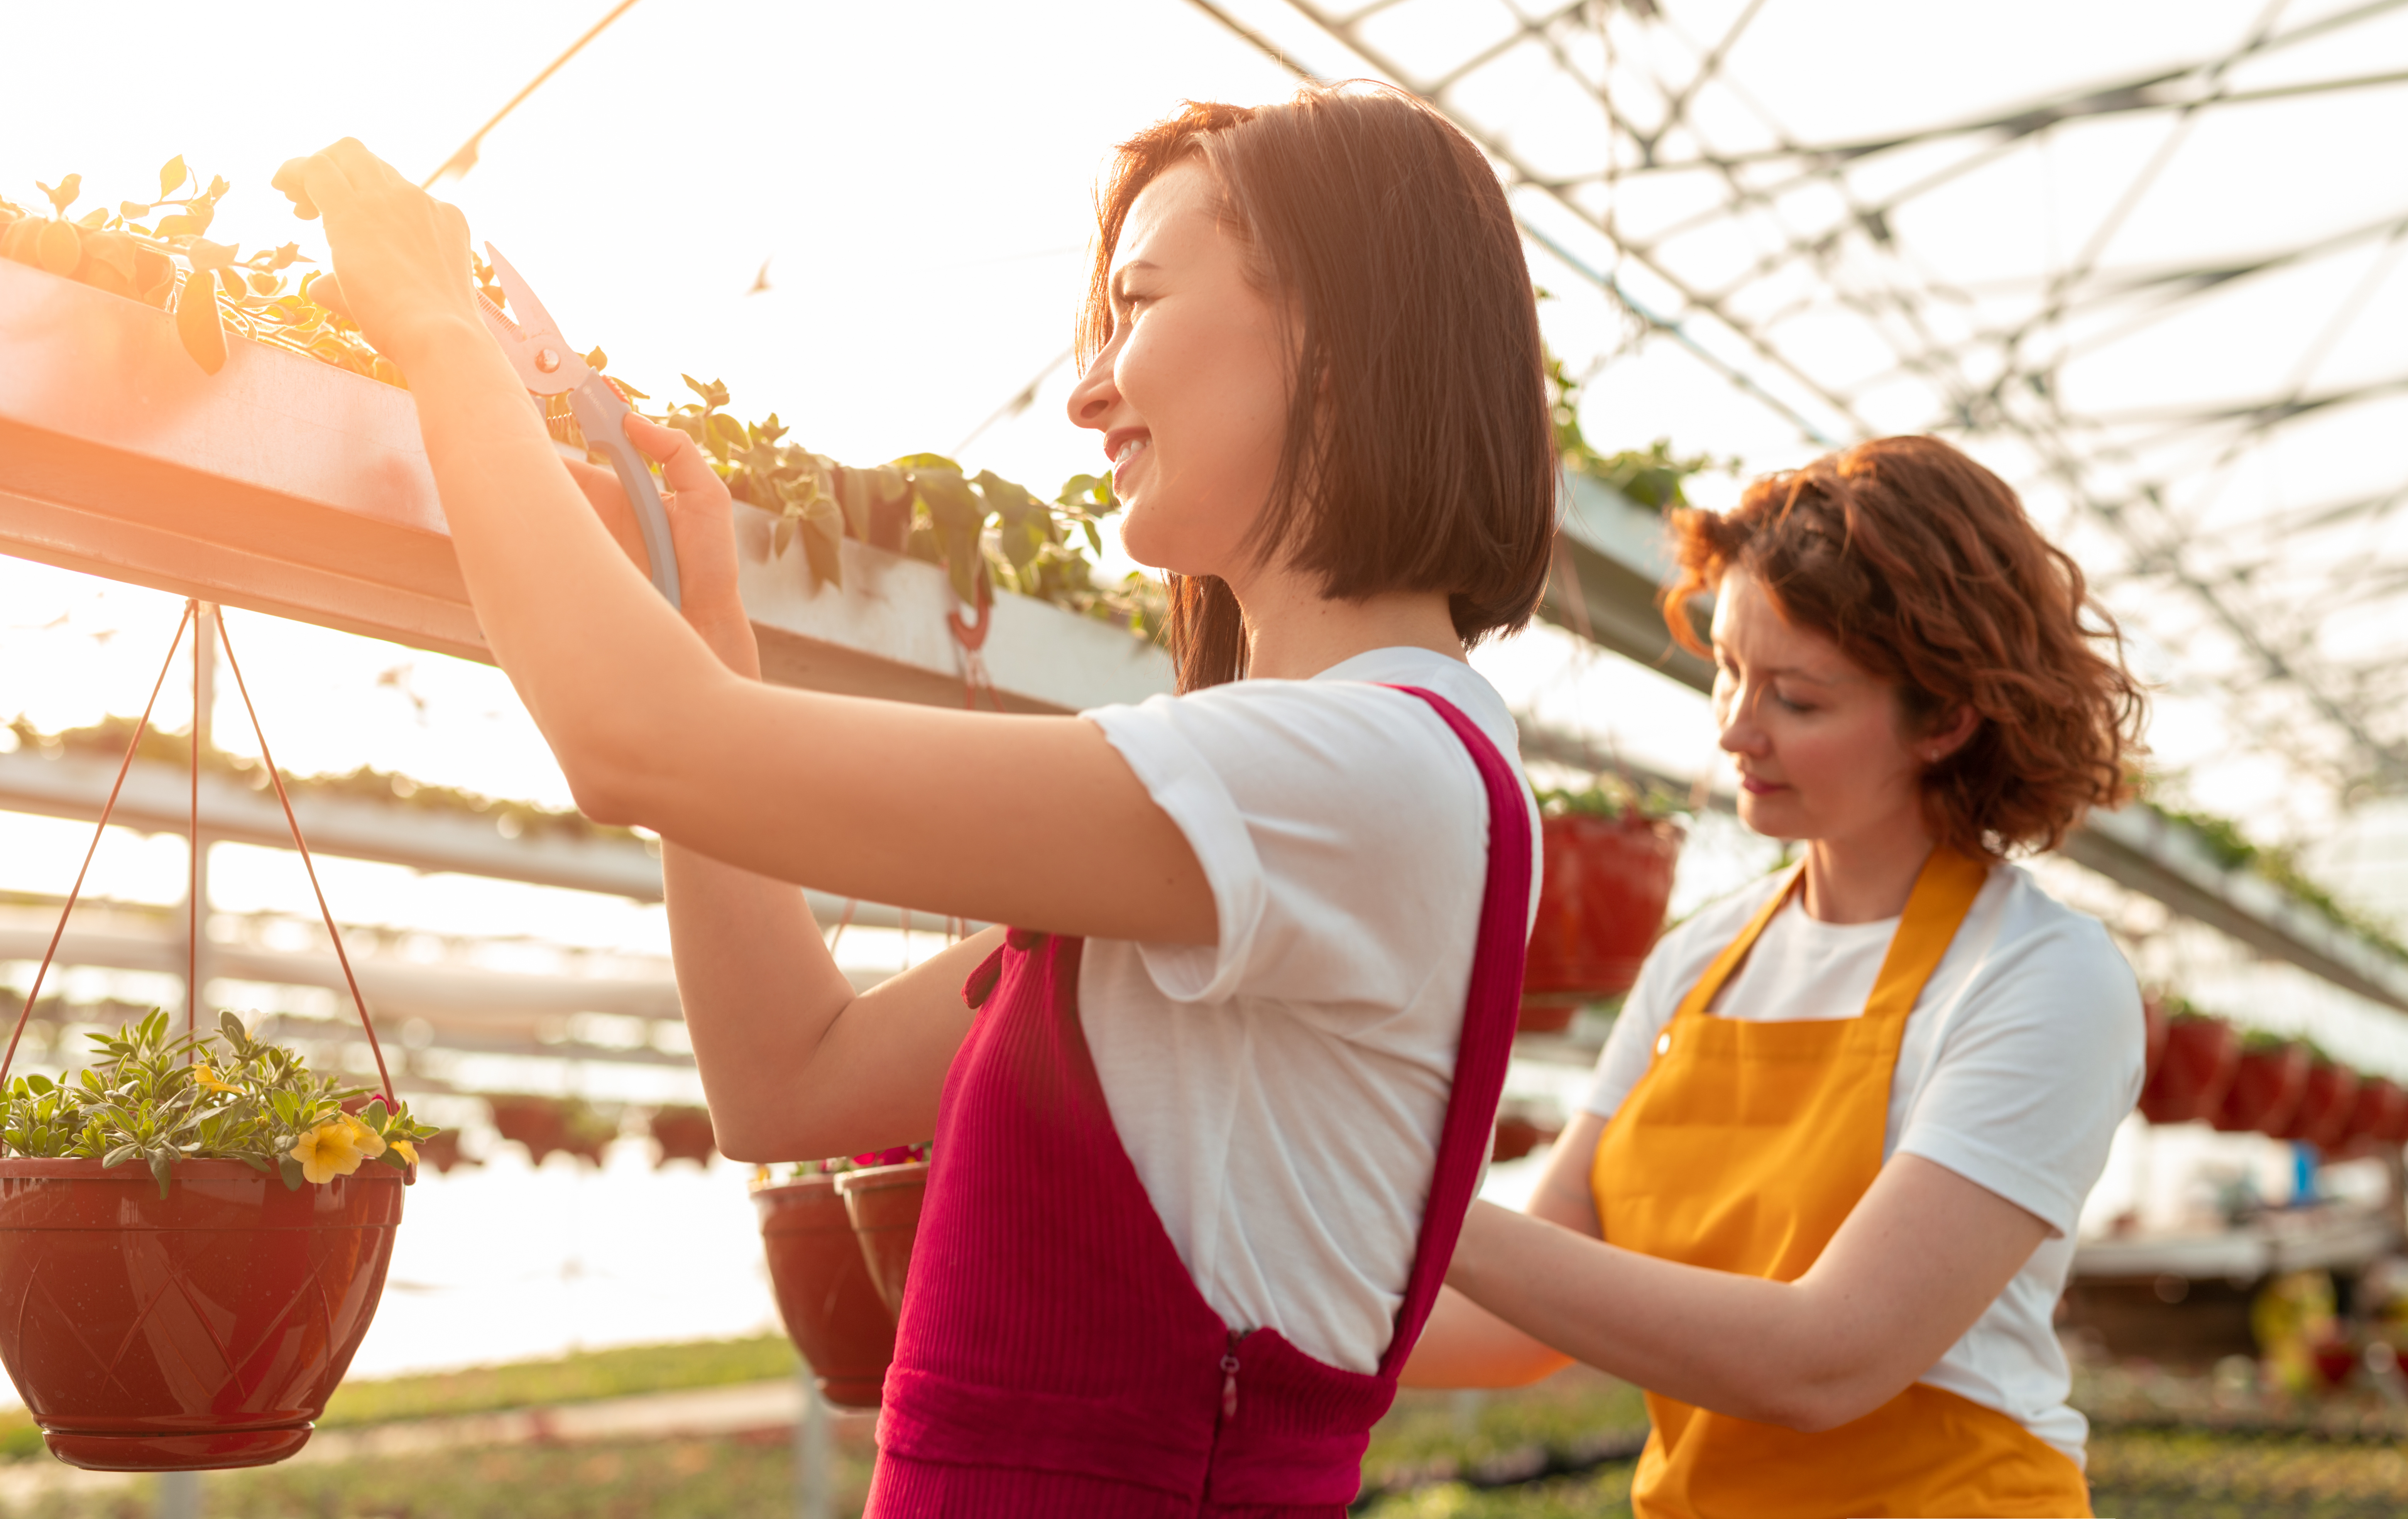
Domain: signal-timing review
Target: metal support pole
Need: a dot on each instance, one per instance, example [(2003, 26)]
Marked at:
[(179, 1495), (814, 1450), (205, 689)]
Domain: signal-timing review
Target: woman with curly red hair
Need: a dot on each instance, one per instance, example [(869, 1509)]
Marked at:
[(1822, 1203)]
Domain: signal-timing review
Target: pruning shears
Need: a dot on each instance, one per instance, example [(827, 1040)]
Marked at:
[(547, 366)]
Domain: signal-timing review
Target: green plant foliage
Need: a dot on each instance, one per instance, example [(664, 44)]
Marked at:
[(985, 531), (157, 1098), (2231, 850), (1651, 477), (1611, 796), (124, 254)]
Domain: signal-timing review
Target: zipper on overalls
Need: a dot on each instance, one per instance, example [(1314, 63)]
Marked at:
[(1229, 1378)]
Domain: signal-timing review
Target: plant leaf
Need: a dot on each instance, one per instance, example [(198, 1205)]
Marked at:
[(171, 174), (197, 324)]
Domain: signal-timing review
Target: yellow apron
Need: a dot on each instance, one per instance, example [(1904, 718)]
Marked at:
[(1742, 1148)]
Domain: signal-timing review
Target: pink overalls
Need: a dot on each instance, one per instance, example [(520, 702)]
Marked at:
[(1054, 1356)]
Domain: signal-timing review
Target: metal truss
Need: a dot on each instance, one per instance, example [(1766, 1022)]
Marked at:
[(2249, 527)]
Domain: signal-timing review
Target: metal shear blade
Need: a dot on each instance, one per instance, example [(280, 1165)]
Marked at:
[(545, 363)]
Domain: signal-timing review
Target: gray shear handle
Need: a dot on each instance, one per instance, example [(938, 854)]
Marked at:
[(601, 416)]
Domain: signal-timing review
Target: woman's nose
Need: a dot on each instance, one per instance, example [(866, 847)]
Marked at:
[(1091, 398), (1739, 733)]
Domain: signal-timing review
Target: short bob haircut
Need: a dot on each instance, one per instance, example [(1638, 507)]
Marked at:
[(1924, 569), (1419, 454)]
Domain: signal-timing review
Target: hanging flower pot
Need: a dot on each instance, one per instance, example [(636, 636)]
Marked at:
[(203, 1329), (2194, 1072), (2155, 1019), (2325, 1102), (883, 1202), (1606, 877), (535, 1123), (684, 1133), (194, 1231), (2267, 1086), (442, 1152), (2379, 1117), (831, 1306)]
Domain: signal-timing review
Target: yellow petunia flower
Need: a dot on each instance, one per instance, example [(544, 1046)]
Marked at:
[(406, 1150), (210, 1081), (332, 1149), (370, 1144)]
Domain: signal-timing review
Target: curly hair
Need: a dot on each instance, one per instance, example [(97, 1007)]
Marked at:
[(1922, 566)]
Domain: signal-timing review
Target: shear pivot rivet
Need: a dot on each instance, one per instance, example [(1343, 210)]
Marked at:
[(546, 360)]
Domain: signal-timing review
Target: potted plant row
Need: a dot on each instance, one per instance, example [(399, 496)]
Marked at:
[(979, 528), (2200, 1067), (839, 1235), (1606, 873), (194, 1235)]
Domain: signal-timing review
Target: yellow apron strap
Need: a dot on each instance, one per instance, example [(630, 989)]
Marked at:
[(1944, 890), (1944, 894), (1702, 995)]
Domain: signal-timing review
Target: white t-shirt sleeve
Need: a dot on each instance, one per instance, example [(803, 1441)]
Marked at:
[(2035, 1072), (1329, 869)]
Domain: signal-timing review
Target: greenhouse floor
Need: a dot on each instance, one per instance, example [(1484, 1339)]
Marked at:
[(1564, 1448)]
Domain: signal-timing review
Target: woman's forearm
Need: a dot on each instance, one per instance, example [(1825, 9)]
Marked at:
[(1738, 1344), (1917, 1261)]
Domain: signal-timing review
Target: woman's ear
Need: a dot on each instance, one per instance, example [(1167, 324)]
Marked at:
[(1949, 734)]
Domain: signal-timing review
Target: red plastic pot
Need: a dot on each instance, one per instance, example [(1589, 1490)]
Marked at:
[(832, 1309), (684, 1133), (2194, 1072), (537, 1122), (204, 1329), (1601, 895), (2380, 1112), (2155, 1026), (1516, 1136), (2266, 1090), (2326, 1103), (884, 1203)]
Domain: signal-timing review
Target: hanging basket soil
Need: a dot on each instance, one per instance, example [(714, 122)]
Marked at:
[(2266, 1090), (2326, 1103), (1602, 896), (884, 1203), (2194, 1072), (832, 1307), (206, 1329)]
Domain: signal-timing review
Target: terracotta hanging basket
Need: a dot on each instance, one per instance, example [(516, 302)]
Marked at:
[(2194, 1071), (198, 1316), (2327, 1101), (1602, 895), (832, 1307), (2379, 1118), (2266, 1090), (204, 1329), (885, 1204), (684, 1133)]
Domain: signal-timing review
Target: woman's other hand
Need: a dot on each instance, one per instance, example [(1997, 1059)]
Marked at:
[(702, 527), (400, 255)]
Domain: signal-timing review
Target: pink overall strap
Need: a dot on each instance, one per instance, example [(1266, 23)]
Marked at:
[(1492, 1008)]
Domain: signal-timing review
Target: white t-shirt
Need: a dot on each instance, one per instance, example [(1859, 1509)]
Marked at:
[(1280, 1092), (2021, 1057)]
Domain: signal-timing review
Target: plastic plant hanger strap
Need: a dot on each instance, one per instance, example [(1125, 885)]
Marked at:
[(106, 809)]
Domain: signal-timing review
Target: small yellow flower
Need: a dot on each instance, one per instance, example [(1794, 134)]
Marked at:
[(210, 1081), (332, 1149), (406, 1150), (369, 1143)]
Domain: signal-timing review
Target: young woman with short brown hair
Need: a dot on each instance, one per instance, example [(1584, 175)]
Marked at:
[(1202, 1151), (1821, 1205)]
